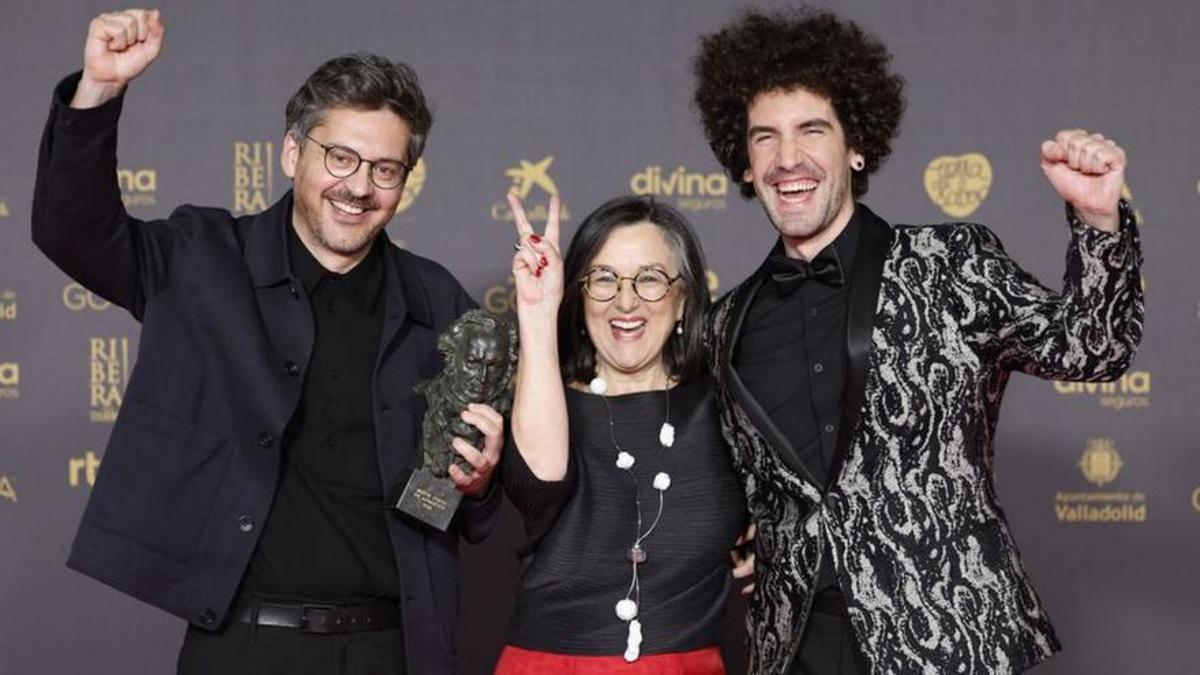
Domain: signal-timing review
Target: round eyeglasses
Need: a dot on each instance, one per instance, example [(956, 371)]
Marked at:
[(342, 162), (650, 284)]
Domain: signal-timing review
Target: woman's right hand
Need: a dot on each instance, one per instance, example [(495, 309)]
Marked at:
[(537, 266)]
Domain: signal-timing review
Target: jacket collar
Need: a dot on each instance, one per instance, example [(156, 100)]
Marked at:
[(265, 252)]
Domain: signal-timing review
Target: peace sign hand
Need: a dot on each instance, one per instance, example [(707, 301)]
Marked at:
[(537, 266)]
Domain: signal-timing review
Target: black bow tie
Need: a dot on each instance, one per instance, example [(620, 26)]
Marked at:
[(789, 273)]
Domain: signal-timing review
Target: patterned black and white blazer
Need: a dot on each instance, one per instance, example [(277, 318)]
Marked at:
[(938, 317)]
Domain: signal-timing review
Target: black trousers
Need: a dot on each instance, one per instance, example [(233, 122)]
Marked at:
[(245, 649), (828, 648)]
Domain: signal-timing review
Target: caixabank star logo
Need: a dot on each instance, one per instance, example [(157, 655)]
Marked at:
[(1100, 464), (958, 184), (523, 178)]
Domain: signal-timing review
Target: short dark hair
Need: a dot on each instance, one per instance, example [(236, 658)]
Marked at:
[(683, 355), (362, 82), (793, 49)]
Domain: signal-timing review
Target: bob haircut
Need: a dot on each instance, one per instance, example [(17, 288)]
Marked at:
[(683, 355)]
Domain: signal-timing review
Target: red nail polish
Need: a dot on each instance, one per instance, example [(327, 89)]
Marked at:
[(535, 239), (537, 272), (544, 262)]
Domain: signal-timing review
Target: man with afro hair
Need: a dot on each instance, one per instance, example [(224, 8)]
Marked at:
[(860, 369)]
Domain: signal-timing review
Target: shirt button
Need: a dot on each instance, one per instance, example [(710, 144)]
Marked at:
[(335, 373), (246, 524), (207, 617), (829, 428), (814, 312), (818, 368), (291, 368), (295, 293), (266, 439)]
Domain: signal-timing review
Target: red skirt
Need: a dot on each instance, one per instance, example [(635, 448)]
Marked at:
[(517, 661)]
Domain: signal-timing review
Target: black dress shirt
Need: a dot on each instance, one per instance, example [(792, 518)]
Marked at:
[(326, 537), (791, 355)]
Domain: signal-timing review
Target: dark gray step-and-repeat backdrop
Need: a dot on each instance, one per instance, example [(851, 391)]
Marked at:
[(592, 99)]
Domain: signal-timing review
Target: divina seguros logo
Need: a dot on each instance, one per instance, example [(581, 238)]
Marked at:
[(690, 190), (1132, 390), (139, 187)]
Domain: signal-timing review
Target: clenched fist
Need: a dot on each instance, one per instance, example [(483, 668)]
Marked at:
[(119, 47), (1087, 171)]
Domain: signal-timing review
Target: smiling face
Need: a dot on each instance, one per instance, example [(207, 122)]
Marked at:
[(628, 332), (337, 219), (800, 167)]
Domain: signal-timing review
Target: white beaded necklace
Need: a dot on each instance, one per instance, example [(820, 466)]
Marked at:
[(628, 607)]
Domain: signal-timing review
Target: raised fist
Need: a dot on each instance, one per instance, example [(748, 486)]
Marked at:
[(119, 46), (1087, 170)]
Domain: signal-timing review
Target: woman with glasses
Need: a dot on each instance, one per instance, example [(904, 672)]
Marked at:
[(616, 461)]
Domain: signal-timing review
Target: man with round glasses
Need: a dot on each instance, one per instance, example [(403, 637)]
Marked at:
[(245, 483)]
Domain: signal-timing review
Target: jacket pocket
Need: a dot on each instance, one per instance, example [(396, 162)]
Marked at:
[(158, 480)]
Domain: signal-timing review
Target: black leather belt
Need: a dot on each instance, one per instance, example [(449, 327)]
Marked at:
[(319, 618)]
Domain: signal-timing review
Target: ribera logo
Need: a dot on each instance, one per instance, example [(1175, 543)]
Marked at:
[(690, 190), (525, 176), (253, 176), (958, 184), (138, 186), (108, 375)]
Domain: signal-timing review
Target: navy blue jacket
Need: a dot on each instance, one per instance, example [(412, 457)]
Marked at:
[(194, 458)]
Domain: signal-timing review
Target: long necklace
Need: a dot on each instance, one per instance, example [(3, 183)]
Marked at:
[(628, 607)]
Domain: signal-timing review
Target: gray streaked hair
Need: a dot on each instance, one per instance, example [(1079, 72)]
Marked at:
[(361, 81)]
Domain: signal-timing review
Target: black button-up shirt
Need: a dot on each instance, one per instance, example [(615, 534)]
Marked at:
[(791, 355), (326, 536)]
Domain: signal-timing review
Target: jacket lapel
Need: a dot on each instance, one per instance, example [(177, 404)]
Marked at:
[(875, 240), (742, 300)]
